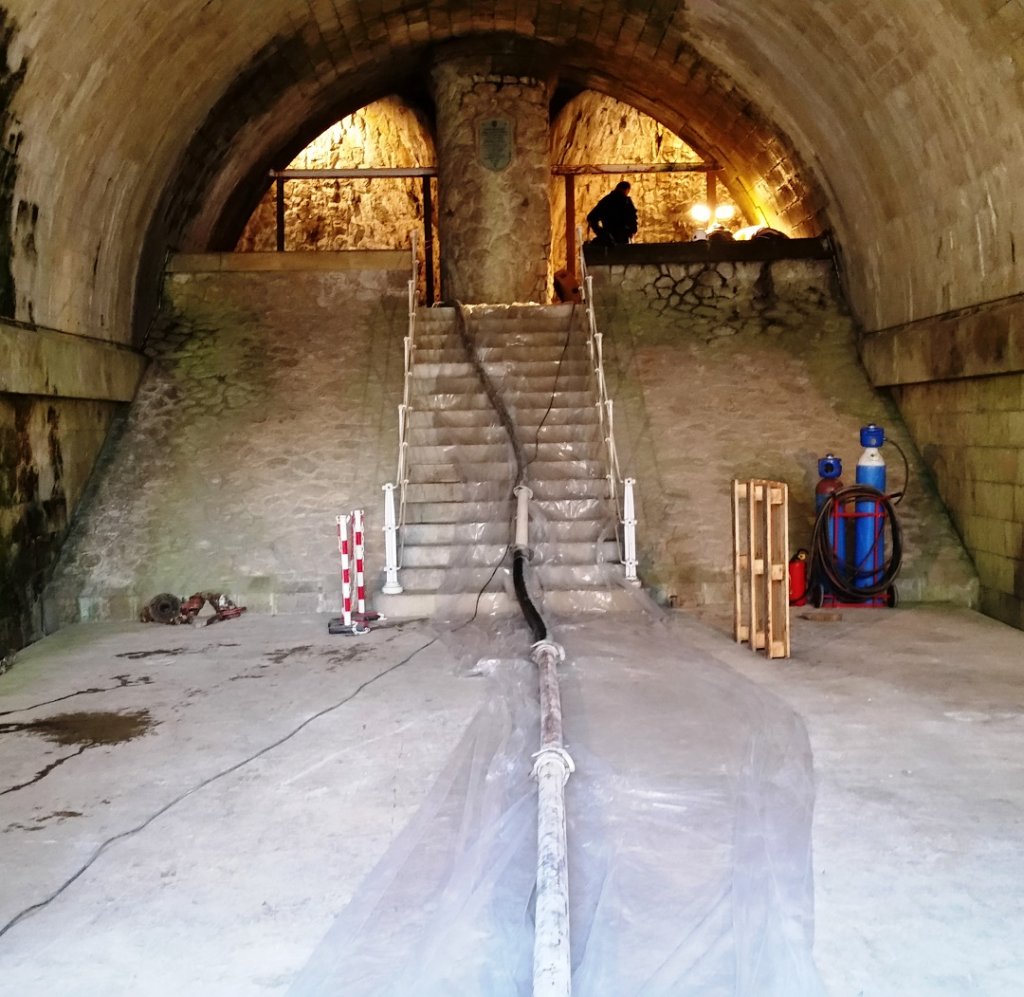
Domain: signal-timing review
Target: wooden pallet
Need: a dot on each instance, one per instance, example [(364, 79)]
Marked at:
[(760, 531)]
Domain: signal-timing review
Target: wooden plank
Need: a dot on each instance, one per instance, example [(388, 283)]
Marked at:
[(777, 594), (758, 605), (760, 526), (740, 562)]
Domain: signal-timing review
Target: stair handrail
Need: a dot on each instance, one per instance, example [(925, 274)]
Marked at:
[(395, 520), (621, 488)]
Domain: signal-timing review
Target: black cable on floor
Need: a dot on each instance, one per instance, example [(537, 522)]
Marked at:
[(28, 911)]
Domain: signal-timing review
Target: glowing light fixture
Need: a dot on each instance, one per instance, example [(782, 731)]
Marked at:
[(700, 213), (724, 212)]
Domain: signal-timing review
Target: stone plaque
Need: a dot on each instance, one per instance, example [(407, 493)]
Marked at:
[(494, 137)]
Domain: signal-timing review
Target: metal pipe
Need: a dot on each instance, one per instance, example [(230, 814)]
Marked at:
[(523, 496), (280, 215), (552, 967), (428, 240), (570, 221)]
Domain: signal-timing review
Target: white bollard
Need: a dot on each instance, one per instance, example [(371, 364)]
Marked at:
[(629, 531), (391, 583)]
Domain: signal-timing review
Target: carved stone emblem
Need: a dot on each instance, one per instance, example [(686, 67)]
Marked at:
[(494, 140)]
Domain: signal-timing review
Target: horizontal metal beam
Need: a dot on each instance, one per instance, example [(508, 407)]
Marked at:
[(559, 170), (563, 169), (366, 173)]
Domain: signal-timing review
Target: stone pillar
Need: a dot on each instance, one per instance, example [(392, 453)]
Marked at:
[(494, 217)]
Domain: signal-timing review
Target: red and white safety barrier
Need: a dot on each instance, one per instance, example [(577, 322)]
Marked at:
[(351, 548)]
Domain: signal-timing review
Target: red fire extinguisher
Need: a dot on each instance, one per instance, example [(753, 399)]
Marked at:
[(798, 578)]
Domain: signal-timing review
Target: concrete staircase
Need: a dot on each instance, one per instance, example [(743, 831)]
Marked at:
[(459, 517)]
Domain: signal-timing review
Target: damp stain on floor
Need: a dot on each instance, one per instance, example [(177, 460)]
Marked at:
[(87, 728), (83, 730)]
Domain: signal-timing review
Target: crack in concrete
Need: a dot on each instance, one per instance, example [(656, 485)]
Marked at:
[(123, 682)]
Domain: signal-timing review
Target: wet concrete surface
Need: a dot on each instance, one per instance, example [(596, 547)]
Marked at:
[(186, 810)]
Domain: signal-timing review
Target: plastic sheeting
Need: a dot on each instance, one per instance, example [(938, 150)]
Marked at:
[(689, 834)]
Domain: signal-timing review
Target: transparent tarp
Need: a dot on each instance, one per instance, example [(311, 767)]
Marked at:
[(689, 819)]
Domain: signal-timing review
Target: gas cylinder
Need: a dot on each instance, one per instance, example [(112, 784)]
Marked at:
[(869, 532), (798, 578), (830, 468)]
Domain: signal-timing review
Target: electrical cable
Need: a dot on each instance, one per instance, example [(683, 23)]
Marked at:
[(101, 848), (855, 582)]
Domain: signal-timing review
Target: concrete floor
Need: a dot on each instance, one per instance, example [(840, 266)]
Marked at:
[(258, 769)]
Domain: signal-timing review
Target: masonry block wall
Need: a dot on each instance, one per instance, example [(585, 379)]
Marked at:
[(269, 408), (959, 381)]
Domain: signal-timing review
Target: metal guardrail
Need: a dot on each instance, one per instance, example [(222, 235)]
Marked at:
[(622, 489), (394, 519)]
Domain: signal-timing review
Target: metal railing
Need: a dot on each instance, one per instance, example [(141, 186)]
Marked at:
[(394, 519), (621, 489)]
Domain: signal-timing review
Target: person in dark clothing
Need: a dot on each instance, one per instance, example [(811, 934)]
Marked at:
[(613, 218)]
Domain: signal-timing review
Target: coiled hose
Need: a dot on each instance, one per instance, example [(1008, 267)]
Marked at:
[(849, 581)]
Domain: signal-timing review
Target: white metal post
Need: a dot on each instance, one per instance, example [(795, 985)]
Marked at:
[(391, 585), (629, 531)]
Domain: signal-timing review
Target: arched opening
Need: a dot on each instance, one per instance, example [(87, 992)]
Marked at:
[(592, 133)]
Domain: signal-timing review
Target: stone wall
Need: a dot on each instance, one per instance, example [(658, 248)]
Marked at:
[(47, 448), (343, 214), (59, 395), (268, 409), (740, 370)]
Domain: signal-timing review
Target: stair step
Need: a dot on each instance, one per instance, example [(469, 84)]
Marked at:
[(492, 510), (563, 490), (501, 451), (527, 420), (615, 597), (463, 491), (494, 333), (493, 576), (453, 418), (423, 534), (461, 472), (451, 401), (429, 435), (444, 453), (502, 531), (594, 510), (465, 471), (454, 363), (579, 553), (443, 379)]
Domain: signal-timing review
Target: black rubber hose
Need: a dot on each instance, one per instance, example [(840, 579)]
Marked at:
[(533, 619), (842, 577)]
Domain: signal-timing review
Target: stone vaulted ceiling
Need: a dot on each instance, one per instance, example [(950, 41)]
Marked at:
[(135, 128)]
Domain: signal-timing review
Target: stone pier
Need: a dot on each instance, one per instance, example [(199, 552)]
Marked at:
[(494, 173)]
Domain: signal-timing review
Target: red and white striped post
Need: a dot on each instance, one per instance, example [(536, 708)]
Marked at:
[(359, 552), (346, 570)]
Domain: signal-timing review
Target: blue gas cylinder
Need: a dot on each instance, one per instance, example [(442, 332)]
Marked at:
[(869, 532), (830, 470)]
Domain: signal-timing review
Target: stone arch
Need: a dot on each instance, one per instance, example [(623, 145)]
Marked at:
[(271, 112)]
